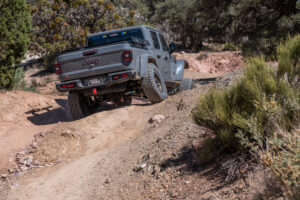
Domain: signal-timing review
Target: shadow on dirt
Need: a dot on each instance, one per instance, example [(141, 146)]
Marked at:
[(204, 81), (224, 169), (186, 163), (185, 159), (42, 73), (51, 116), (62, 113)]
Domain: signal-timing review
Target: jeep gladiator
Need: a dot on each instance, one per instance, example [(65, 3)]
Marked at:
[(116, 65)]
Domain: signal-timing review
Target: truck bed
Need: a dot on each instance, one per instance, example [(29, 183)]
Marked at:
[(87, 62)]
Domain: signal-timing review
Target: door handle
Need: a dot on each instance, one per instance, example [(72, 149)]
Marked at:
[(158, 56)]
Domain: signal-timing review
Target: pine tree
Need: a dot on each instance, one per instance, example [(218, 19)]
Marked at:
[(15, 25)]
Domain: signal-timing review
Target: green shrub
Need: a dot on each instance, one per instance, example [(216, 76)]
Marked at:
[(14, 34), (289, 60), (260, 114), (230, 47), (60, 24), (32, 89), (18, 81), (261, 45)]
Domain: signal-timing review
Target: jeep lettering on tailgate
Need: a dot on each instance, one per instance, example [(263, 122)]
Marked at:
[(90, 61)]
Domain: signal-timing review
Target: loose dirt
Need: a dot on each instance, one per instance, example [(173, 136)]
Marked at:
[(17, 128), (216, 63), (115, 153)]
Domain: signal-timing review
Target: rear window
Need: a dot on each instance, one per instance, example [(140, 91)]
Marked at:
[(114, 37)]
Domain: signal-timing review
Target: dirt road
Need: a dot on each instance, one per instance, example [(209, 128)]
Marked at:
[(109, 132), (113, 154), (117, 154), (110, 142)]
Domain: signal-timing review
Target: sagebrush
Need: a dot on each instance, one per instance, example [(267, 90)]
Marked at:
[(260, 114), (15, 25)]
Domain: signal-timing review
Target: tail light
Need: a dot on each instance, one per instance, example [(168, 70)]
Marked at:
[(117, 77), (57, 69), (127, 57)]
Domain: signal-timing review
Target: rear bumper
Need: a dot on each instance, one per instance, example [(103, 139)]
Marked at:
[(105, 80)]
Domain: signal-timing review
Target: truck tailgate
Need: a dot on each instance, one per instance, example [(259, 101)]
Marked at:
[(92, 61)]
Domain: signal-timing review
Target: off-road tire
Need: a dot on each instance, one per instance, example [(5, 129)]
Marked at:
[(153, 85), (123, 101), (186, 84), (79, 105)]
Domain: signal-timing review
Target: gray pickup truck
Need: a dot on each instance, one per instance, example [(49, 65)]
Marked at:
[(118, 64)]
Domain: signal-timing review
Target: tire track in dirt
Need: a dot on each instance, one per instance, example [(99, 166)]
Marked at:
[(108, 130)]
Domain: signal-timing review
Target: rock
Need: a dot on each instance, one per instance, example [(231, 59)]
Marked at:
[(67, 133), (106, 181), (36, 163), (70, 134), (15, 185), (156, 169), (4, 176), (23, 168), (28, 160), (21, 153), (157, 119), (139, 168), (145, 158), (34, 145), (224, 61), (13, 171), (143, 165)]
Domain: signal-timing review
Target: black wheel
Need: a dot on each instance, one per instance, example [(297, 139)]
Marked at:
[(153, 85), (80, 105), (123, 101), (186, 84)]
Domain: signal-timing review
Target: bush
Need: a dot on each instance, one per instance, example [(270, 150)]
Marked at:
[(230, 47), (289, 60), (260, 113), (18, 81), (14, 34), (261, 45), (60, 24)]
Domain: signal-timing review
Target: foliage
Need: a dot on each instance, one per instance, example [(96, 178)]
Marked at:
[(253, 24), (19, 82), (289, 61), (62, 24), (177, 14), (14, 29), (259, 114), (230, 47)]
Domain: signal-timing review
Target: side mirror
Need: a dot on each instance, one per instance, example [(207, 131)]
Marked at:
[(172, 47)]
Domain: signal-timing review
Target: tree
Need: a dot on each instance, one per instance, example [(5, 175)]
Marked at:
[(62, 24), (179, 17), (14, 33)]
